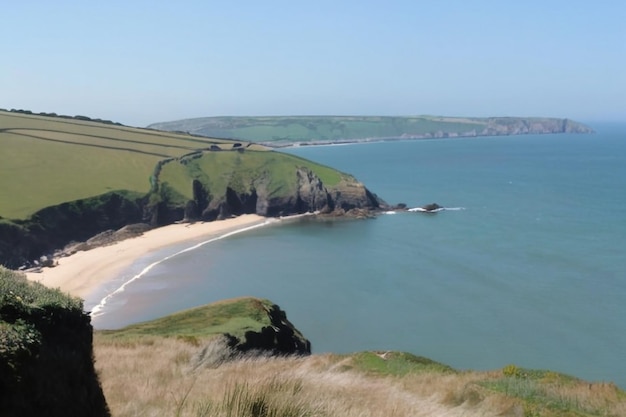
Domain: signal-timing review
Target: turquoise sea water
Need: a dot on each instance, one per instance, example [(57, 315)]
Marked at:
[(530, 270)]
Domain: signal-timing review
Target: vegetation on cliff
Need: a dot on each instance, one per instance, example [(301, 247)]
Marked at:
[(202, 362), (67, 179), (248, 323), (46, 353), (179, 365), (306, 130)]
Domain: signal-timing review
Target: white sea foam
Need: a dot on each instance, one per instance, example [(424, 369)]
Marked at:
[(423, 210), (98, 310)]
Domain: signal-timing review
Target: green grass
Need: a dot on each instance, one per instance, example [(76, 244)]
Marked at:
[(394, 363), (20, 300), (218, 170), (548, 393), (20, 294), (46, 161), (230, 316), (234, 388)]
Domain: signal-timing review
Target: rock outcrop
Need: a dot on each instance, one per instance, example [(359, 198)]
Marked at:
[(304, 192), (279, 338), (524, 126), (53, 228)]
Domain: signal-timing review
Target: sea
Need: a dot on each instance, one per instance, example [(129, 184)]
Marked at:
[(525, 266)]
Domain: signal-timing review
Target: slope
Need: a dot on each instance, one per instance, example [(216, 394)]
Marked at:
[(51, 160)]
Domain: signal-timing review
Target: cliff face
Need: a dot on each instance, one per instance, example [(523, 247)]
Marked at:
[(263, 190), (300, 190), (279, 338), (54, 227), (516, 126), (247, 324), (46, 353)]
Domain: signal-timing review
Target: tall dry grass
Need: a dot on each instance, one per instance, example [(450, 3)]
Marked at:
[(178, 377)]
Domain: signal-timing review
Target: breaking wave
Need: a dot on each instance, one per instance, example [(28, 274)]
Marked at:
[(422, 210), (98, 310)]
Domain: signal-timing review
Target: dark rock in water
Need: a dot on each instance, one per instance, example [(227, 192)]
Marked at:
[(432, 207)]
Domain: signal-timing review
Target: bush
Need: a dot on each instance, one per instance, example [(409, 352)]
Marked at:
[(46, 356)]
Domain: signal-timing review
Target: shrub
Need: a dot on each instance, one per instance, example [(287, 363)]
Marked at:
[(512, 371)]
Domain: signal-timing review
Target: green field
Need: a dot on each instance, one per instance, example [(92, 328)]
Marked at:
[(65, 179), (45, 161)]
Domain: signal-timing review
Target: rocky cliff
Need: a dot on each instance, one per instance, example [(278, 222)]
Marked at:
[(247, 324), (211, 186), (246, 183), (523, 126), (52, 228)]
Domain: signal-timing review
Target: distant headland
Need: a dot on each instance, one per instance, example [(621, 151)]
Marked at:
[(278, 131)]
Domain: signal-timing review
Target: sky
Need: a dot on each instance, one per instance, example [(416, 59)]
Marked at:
[(141, 62)]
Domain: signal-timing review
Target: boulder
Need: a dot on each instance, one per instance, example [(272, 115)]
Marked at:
[(432, 207)]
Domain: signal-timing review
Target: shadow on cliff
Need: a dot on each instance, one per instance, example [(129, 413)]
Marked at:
[(51, 371)]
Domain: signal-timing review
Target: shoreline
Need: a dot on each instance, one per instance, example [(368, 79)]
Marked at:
[(83, 273), (388, 139)]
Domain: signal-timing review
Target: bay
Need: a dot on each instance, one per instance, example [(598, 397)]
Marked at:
[(529, 269)]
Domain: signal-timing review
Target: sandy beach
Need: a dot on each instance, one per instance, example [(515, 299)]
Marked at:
[(84, 272)]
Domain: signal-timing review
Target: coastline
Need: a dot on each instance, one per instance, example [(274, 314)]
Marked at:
[(385, 139), (83, 273)]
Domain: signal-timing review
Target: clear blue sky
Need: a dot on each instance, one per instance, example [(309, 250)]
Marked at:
[(138, 62)]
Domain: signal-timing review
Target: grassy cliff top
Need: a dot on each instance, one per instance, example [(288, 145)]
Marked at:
[(49, 160), (138, 365), (24, 305), (18, 294), (234, 316)]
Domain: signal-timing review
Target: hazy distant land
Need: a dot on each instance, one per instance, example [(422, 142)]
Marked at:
[(313, 130)]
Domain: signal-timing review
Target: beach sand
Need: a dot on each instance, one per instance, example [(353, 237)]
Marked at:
[(82, 273)]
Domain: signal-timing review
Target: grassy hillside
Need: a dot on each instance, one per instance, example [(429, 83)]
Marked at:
[(238, 170), (49, 160), (179, 365), (230, 316), (66, 179), (285, 130), (175, 366)]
